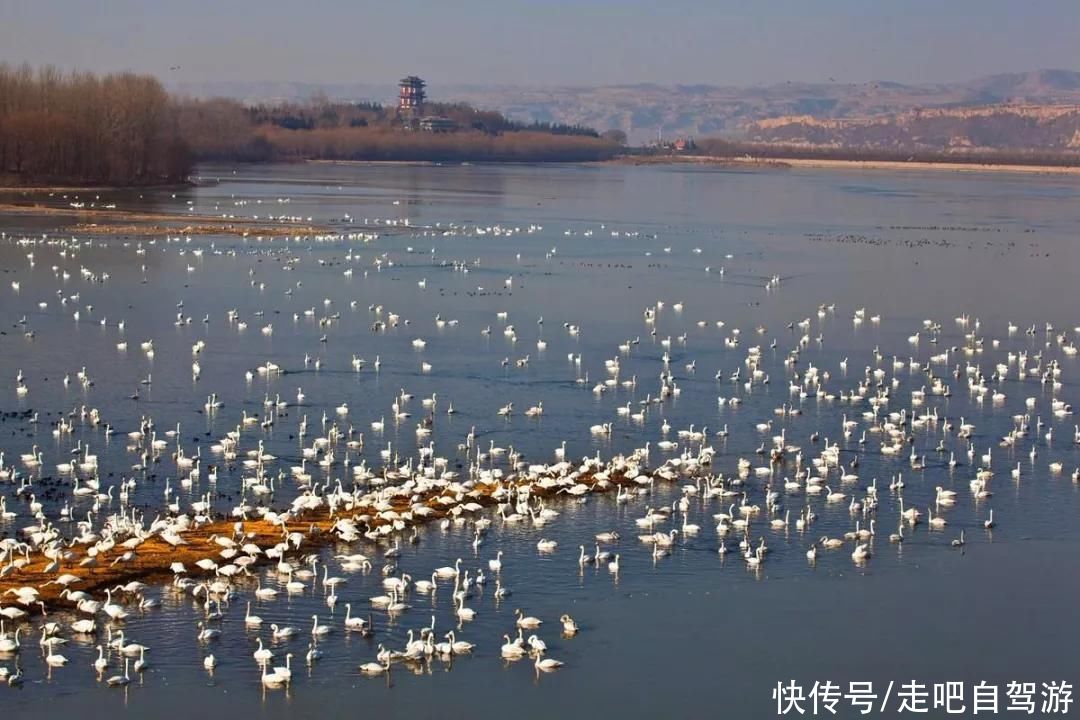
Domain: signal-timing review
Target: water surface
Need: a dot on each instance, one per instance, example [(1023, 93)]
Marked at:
[(693, 634)]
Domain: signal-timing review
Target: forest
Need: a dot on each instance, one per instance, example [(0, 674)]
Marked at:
[(79, 128), (124, 129)]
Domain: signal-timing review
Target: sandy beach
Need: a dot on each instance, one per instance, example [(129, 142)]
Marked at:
[(775, 163)]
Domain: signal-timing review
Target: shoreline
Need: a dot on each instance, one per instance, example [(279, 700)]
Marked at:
[(922, 165), (7, 191), (834, 164), (135, 222)]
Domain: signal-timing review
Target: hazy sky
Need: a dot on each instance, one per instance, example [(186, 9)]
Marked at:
[(546, 41)]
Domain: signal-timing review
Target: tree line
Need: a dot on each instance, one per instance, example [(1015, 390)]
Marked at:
[(124, 129), (226, 130), (117, 129), (387, 144)]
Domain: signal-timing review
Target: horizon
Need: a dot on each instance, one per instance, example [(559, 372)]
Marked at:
[(557, 43), (392, 84)]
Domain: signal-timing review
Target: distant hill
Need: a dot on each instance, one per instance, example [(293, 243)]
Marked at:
[(1028, 109)]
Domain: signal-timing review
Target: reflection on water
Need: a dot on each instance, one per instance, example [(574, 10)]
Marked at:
[(590, 246)]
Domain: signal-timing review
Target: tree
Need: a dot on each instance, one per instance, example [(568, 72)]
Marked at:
[(78, 128), (614, 135)]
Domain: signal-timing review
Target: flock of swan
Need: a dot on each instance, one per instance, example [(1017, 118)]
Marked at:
[(70, 510)]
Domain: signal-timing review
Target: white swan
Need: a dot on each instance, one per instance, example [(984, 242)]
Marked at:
[(249, 619), (547, 664)]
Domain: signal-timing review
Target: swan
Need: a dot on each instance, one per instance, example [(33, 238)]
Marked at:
[(780, 523), (264, 593), (131, 649), (140, 664), (537, 644), (10, 644), (282, 633), (331, 582), (120, 680), (353, 623), (262, 655), (55, 659), (912, 515), (251, 620), (113, 610), (495, 564), (426, 586), (570, 627), (272, 679), (512, 649), (371, 668), (755, 558), (294, 586), (448, 572), (459, 647), (206, 633), (547, 664), (101, 664), (313, 654), (582, 557), (465, 613), (395, 606), (317, 629), (527, 622), (381, 600), (285, 672)]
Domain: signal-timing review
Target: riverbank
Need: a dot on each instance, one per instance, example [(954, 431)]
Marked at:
[(8, 191), (830, 164), (741, 163)]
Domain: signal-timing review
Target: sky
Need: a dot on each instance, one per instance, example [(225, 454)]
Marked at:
[(546, 42)]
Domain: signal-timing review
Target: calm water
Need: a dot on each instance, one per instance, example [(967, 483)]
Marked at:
[(693, 634)]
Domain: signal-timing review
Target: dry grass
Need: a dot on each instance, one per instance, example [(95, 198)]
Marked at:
[(106, 221), (154, 557)]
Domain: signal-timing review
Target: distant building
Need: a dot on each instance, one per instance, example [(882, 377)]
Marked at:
[(680, 145), (434, 123), (411, 98)]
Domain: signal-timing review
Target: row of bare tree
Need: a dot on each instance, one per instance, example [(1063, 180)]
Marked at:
[(82, 128), (388, 144), (221, 129)]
